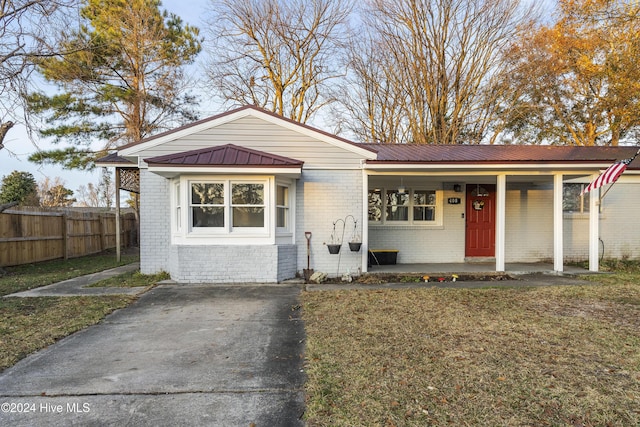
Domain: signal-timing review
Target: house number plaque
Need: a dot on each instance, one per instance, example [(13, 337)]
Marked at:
[(453, 200)]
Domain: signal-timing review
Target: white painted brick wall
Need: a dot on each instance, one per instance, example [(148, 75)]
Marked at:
[(426, 244), (529, 224), (154, 223), (324, 196), (232, 264), (620, 221)]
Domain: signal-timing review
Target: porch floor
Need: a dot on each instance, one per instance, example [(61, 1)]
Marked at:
[(471, 268)]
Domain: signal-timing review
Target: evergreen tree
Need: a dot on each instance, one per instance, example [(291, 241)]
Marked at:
[(127, 84), (19, 187)]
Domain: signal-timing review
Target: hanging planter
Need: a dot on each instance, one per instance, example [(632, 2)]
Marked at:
[(333, 248), (355, 246)]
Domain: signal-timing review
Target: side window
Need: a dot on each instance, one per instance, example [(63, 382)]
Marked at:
[(282, 207), (573, 201)]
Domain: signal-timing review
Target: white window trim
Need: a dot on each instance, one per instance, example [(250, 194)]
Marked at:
[(410, 222), (287, 230), (187, 234)]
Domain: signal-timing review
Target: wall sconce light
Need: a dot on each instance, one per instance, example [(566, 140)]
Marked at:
[(457, 188)]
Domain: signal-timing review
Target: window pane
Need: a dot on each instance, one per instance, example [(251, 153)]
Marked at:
[(424, 214), (424, 197), (207, 217), (207, 194), (397, 206), (572, 200), (281, 217), (375, 205), (282, 196), (248, 217), (247, 194)]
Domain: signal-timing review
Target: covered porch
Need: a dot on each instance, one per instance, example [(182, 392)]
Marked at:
[(425, 216)]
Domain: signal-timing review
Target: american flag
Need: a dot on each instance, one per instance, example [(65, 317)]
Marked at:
[(609, 176)]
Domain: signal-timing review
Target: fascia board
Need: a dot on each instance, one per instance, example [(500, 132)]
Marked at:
[(494, 167), (225, 170)]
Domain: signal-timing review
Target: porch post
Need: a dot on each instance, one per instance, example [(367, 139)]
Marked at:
[(594, 231), (558, 255), (365, 220), (501, 189), (118, 243)]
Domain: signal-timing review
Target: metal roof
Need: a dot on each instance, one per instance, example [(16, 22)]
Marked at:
[(222, 156), (413, 153)]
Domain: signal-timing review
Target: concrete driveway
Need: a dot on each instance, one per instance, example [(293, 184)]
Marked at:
[(181, 355)]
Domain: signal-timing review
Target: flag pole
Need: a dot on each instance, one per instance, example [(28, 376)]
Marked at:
[(612, 184)]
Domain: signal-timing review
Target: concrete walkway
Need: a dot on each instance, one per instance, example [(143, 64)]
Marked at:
[(78, 285), (196, 355)]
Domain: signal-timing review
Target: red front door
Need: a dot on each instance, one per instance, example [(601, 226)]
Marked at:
[(481, 221)]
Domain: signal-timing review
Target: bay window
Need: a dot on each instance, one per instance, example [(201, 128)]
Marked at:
[(226, 206)]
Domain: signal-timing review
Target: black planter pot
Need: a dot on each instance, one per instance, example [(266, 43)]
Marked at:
[(334, 249), (355, 246)]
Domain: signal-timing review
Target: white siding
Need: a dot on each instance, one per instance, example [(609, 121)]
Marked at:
[(257, 134)]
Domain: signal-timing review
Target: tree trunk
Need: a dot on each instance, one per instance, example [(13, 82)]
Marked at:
[(4, 128)]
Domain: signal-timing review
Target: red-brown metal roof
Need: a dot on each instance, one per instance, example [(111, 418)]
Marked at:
[(225, 155), (413, 153)]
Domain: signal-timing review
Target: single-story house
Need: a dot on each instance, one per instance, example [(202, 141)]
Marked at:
[(250, 196)]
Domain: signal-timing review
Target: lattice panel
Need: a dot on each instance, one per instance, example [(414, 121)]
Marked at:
[(130, 179)]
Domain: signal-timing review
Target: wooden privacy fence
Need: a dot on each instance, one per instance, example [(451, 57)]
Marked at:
[(32, 236)]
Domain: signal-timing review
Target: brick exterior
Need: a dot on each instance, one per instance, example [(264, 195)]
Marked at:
[(155, 227), (324, 196), (528, 229), (232, 264)]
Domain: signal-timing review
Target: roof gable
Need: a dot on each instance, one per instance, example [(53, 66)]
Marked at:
[(230, 116), (228, 155)]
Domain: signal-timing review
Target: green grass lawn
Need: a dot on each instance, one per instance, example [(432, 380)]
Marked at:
[(556, 356), (30, 324), (29, 276)]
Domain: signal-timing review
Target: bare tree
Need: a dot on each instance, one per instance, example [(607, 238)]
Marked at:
[(100, 195), (25, 31), (53, 193), (440, 66), (370, 107), (276, 54)]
